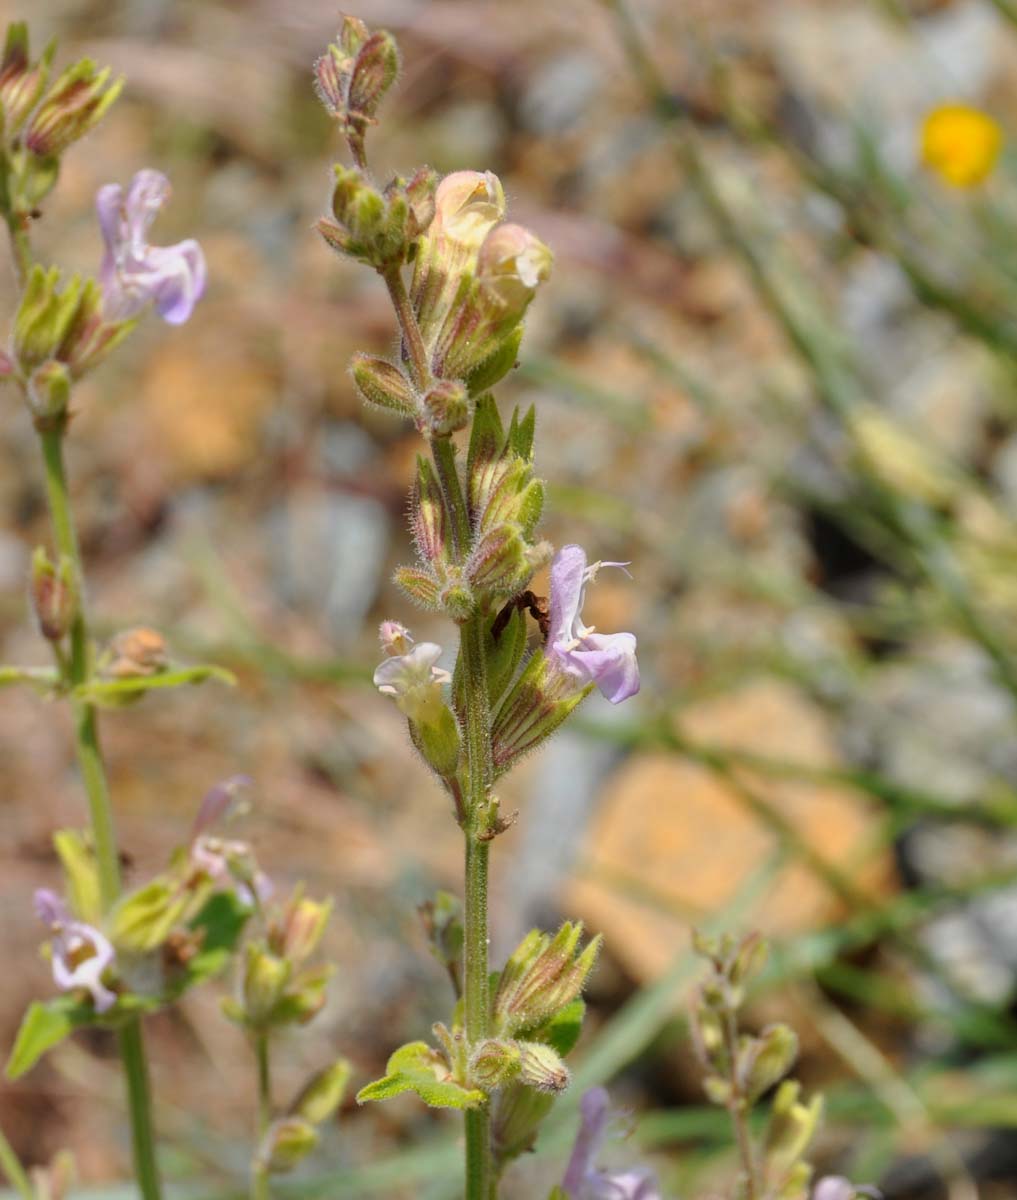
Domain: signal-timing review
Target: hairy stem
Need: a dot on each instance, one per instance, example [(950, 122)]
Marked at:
[(738, 1109), (93, 774), (480, 1180), (259, 1167), (412, 338)]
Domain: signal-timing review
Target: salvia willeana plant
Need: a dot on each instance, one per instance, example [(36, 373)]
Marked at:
[(116, 957), (461, 278)]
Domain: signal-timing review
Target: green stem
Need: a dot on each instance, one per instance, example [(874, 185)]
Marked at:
[(15, 1172), (259, 1168), (738, 1109), (93, 774), (412, 338), (480, 1179)]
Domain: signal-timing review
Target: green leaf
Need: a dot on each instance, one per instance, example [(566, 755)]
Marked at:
[(417, 1068), (112, 693), (222, 919), (521, 431), (563, 1030), (487, 436), (44, 1026)]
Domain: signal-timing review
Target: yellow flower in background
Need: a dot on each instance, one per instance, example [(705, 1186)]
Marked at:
[(961, 144)]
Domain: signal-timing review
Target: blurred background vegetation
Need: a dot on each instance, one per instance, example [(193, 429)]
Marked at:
[(776, 367)]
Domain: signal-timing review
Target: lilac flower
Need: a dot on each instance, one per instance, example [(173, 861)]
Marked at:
[(133, 272), (395, 638), (81, 954), (582, 1179), (836, 1187), (414, 682), (606, 659), (231, 866)]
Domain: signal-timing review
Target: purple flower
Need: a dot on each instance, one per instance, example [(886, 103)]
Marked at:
[(582, 1179), (80, 953), (230, 865), (606, 659), (836, 1187), (133, 272)]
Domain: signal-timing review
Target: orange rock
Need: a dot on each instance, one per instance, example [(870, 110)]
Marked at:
[(674, 842)]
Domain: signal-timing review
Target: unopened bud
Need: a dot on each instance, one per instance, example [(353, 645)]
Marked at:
[(374, 71), (54, 595), (303, 922), (419, 586), (49, 395), (766, 1059), (307, 994), (542, 976), (438, 741), (81, 875), (446, 408), (536, 705), (21, 82), (395, 638), (494, 1062), (74, 104), (136, 653), (44, 316), (420, 196), (287, 1143), (792, 1124), (498, 565), (457, 600), (381, 383), (323, 1093), (541, 1067), (265, 978)]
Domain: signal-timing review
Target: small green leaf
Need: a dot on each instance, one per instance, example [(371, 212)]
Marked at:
[(521, 431), (113, 693), (563, 1030), (417, 1068), (222, 919), (504, 655), (44, 1026)]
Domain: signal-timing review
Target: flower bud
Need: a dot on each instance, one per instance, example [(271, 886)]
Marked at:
[(395, 638), (419, 586), (541, 1067), (323, 1093), (456, 599), (303, 922), (792, 1125), (21, 82), (49, 395), (764, 1060), (306, 997), (541, 977), (54, 595), (144, 919), (498, 565), (420, 196), (446, 408), (368, 226), (382, 384), (265, 978), (493, 1063), (74, 104), (136, 653), (44, 317), (374, 71), (286, 1143)]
